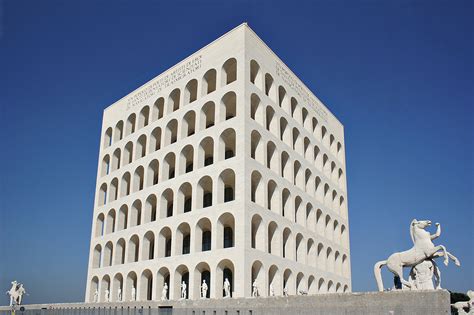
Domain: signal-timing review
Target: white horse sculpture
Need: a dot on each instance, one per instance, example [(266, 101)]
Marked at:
[(423, 249), (16, 293)]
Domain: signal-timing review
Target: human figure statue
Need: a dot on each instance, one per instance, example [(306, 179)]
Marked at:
[(96, 296), (421, 276), (134, 294), (272, 290), (164, 292), (459, 306), (226, 289), (107, 295), (183, 290), (423, 249), (255, 288), (285, 289), (21, 291), (204, 288), (119, 295), (14, 292)]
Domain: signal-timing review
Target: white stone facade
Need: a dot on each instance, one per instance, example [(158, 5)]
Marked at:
[(224, 166)]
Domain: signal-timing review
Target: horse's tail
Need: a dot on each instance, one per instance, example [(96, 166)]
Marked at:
[(378, 274)]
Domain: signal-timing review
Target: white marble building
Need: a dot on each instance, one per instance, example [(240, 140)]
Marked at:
[(224, 166)]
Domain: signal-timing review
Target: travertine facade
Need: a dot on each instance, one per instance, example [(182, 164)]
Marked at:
[(224, 166)]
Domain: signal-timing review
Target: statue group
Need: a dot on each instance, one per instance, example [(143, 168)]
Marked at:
[(420, 258), (16, 293)]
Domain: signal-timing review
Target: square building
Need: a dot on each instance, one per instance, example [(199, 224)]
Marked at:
[(224, 166)]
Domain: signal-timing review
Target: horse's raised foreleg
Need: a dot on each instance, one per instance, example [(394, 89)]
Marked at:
[(454, 259), (444, 253)]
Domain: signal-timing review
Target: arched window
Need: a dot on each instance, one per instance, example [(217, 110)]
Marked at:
[(148, 246), (255, 74), (185, 198), (138, 179), (227, 186), (153, 173), (173, 100), (158, 109), (155, 140), (228, 106), (169, 166), (270, 87), (209, 82), (258, 233), (208, 115), (116, 160), (229, 71), (141, 147), (125, 185), (133, 249), (130, 127), (182, 243), (203, 235), (257, 147), (144, 116), (102, 200), (107, 138), (118, 133), (171, 133), (164, 242), (113, 189), (105, 168), (204, 193), (167, 198), (128, 153), (206, 152), (146, 286), (225, 230), (150, 209), (257, 189), (188, 126), (97, 256), (227, 144), (256, 109), (190, 92), (186, 159)]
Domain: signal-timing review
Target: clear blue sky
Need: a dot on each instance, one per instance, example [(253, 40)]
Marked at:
[(398, 75)]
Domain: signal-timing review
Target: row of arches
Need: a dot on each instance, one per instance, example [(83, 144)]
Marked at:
[(148, 284), (293, 282), (184, 239), (175, 101), (269, 237), (272, 193), (204, 192), (161, 137), (170, 166), (292, 108), (301, 144)]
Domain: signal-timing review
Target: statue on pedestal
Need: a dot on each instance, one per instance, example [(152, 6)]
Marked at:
[(183, 290), (134, 294), (164, 292), (96, 296), (285, 290), (423, 250), (16, 293), (226, 289), (204, 289), (119, 295), (272, 290), (107, 295), (255, 288)]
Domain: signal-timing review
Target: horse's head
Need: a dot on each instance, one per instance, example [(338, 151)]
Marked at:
[(421, 224)]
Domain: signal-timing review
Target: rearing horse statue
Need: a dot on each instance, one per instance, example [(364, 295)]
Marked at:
[(423, 249)]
